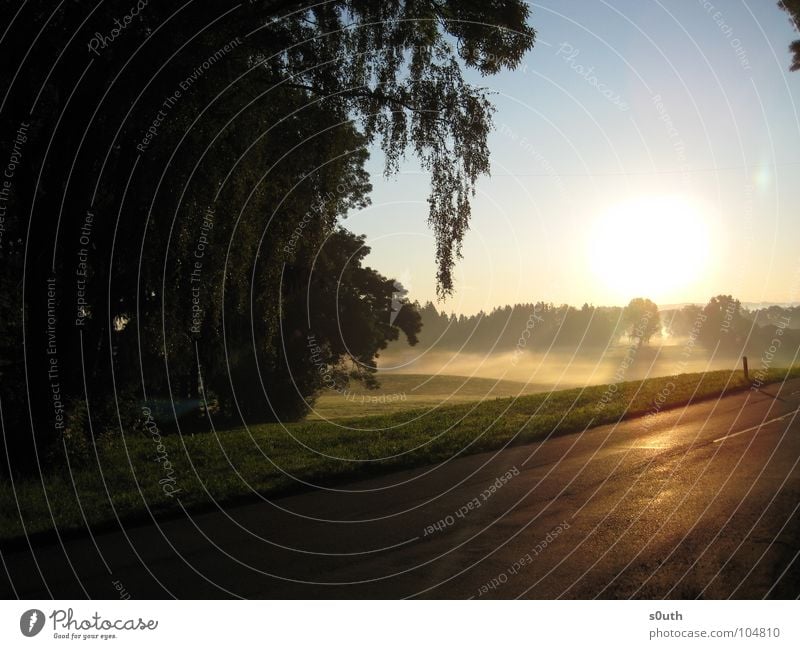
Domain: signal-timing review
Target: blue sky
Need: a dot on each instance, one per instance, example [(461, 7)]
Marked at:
[(623, 101)]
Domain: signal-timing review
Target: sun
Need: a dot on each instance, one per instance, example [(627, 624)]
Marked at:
[(650, 246)]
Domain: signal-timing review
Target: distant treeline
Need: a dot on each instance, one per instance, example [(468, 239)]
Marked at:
[(722, 324), (539, 324)]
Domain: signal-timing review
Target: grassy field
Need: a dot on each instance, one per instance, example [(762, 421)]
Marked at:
[(403, 392), (126, 477)]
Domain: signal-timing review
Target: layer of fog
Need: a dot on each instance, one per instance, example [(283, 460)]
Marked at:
[(560, 368)]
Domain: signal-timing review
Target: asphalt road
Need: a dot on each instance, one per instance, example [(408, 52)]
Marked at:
[(695, 502)]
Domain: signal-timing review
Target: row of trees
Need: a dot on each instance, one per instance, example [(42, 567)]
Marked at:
[(723, 324), (544, 324), (173, 224)]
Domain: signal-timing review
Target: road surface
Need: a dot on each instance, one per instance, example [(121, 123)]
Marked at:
[(695, 502)]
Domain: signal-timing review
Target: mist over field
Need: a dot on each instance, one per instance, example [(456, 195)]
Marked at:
[(418, 378), (558, 368), (564, 346), (527, 348)]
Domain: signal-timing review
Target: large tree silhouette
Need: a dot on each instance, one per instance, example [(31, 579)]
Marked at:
[(178, 184)]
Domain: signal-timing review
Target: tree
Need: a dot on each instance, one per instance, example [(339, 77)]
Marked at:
[(724, 325), (688, 321), (331, 331), (403, 80), (241, 130), (792, 7), (642, 320)]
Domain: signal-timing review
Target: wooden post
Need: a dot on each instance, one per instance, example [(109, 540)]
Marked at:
[(746, 373)]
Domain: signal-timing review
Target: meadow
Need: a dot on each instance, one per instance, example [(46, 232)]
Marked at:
[(418, 379), (404, 392)]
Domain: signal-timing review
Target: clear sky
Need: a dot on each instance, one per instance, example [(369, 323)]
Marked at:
[(642, 148)]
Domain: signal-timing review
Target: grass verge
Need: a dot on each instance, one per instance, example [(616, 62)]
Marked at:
[(124, 479)]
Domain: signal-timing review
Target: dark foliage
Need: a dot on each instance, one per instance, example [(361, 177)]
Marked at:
[(170, 234)]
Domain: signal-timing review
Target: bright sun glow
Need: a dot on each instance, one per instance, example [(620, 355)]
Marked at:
[(652, 246)]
